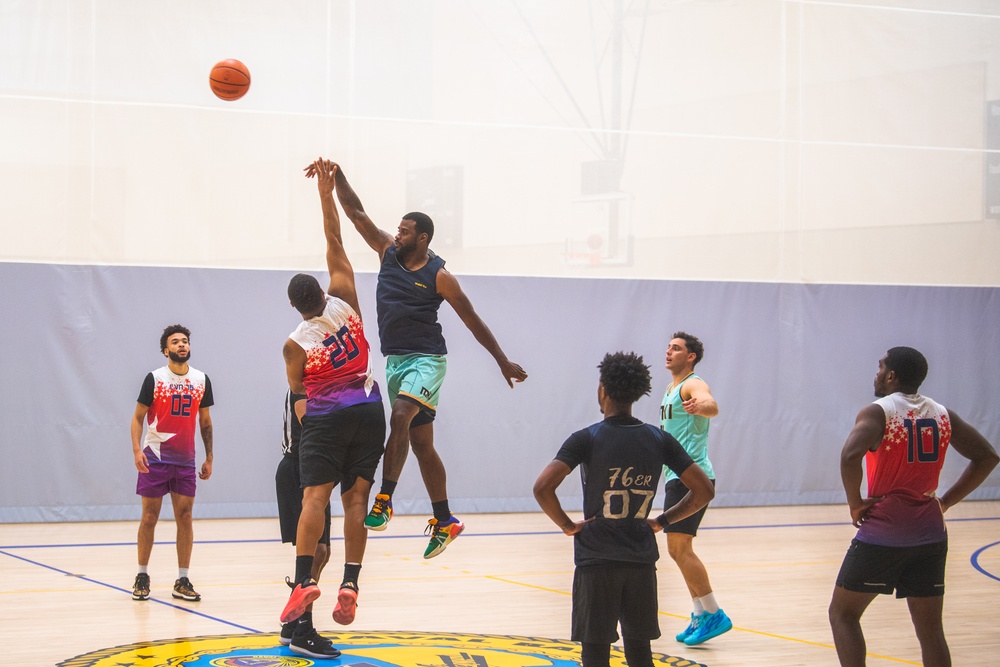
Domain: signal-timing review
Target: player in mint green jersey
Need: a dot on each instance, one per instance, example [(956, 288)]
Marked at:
[(685, 413)]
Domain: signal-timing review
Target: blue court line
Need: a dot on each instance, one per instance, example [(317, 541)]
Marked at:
[(128, 592), (465, 534), (975, 561)]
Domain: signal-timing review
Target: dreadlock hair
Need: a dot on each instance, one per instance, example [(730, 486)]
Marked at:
[(625, 377)]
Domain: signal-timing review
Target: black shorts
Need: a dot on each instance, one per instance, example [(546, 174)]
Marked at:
[(911, 571), (342, 446), (673, 491), (289, 490), (613, 593)]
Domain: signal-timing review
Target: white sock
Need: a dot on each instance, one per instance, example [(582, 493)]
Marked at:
[(699, 609), (708, 603), (182, 572), (144, 569)]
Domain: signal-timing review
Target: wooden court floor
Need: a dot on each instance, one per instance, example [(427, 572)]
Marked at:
[(65, 589)]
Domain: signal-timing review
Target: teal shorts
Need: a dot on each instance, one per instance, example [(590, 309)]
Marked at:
[(417, 378)]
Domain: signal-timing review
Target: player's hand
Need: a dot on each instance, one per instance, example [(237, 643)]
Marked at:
[(654, 524), (693, 406), (206, 470), (141, 462), (512, 372), (575, 527), (860, 513)]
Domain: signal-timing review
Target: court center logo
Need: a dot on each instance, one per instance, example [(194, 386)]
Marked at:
[(362, 649)]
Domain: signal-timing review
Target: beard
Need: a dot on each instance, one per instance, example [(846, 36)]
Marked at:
[(176, 358)]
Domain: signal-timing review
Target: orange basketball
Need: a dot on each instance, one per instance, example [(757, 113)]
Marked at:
[(229, 79)]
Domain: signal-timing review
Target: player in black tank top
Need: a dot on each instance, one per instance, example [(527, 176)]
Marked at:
[(412, 283)]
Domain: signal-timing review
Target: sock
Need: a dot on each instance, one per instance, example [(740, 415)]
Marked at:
[(182, 572), (304, 624), (708, 603), (388, 487), (144, 569), (351, 573), (595, 655), (698, 607), (303, 569), (441, 511)]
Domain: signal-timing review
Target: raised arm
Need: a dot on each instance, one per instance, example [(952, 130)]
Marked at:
[(697, 398), (338, 264), (864, 437), (448, 287), (970, 443), (378, 239)]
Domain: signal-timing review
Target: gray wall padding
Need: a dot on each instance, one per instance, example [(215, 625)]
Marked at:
[(789, 364)]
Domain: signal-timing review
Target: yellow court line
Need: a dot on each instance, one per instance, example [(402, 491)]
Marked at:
[(748, 630)]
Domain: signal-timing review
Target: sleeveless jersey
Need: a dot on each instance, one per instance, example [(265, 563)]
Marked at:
[(620, 462), (338, 371), (407, 304), (690, 430), (905, 470), (293, 427), (172, 418)]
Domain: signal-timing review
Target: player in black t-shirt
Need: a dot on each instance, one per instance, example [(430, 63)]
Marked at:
[(615, 551)]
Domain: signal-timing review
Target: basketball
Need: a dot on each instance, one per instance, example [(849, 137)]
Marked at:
[(229, 79)]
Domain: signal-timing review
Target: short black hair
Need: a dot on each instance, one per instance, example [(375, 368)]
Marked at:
[(625, 377), (305, 293), (693, 345), (909, 366), (170, 331), (422, 223)]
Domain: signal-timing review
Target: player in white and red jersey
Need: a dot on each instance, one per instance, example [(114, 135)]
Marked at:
[(171, 400), (902, 543), (343, 430)]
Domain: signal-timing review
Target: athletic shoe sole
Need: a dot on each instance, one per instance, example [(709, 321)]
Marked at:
[(319, 656), (140, 597), (347, 606), (298, 601), (182, 596)]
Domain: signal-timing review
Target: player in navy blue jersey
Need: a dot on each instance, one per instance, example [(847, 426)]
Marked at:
[(615, 551), (412, 284)]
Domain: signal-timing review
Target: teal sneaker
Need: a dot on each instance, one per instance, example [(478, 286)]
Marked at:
[(442, 534), (686, 632), (378, 518), (708, 626)]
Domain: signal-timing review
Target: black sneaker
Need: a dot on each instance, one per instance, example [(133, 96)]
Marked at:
[(313, 644), (140, 589), (183, 590), (287, 630)]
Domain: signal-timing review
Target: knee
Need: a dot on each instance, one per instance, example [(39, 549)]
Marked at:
[(149, 519)]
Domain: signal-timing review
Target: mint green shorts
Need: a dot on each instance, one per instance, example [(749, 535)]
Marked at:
[(417, 378)]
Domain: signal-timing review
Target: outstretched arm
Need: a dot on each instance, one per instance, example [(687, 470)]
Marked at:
[(448, 287), (697, 398), (864, 437), (339, 265), (970, 443), (378, 239)]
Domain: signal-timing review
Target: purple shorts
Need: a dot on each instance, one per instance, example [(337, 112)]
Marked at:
[(164, 478)]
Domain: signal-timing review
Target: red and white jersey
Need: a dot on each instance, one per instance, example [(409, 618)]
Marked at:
[(338, 372), (172, 420), (905, 470)]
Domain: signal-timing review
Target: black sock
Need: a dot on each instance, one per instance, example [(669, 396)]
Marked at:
[(351, 573), (303, 569), (637, 653), (595, 655), (441, 511), (303, 624), (388, 487)]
